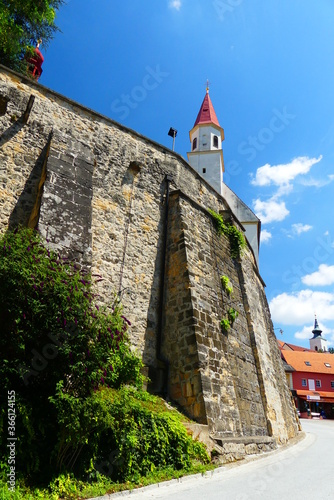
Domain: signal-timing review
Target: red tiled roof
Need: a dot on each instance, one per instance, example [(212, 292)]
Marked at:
[(317, 361), (299, 348), (207, 113), (291, 347)]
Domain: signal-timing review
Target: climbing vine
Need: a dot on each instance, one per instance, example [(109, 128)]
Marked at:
[(227, 322), (236, 238)]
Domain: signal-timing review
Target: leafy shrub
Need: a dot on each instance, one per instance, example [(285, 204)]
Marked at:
[(81, 415), (123, 434), (52, 332)]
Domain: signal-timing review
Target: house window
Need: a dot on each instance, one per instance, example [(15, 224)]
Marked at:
[(318, 383), (195, 143), (204, 170), (307, 363), (332, 384), (215, 141), (327, 365), (304, 383), (311, 384)]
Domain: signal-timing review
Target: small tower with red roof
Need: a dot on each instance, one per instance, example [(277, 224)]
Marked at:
[(206, 137)]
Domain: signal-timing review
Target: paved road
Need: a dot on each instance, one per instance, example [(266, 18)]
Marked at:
[(303, 471)]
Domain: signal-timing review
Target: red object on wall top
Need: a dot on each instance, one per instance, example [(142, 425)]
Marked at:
[(35, 64)]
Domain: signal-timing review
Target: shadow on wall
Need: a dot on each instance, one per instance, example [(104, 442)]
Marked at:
[(157, 367), (18, 122), (26, 210), (11, 131)]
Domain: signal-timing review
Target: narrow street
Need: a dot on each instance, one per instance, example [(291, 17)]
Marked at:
[(298, 472)]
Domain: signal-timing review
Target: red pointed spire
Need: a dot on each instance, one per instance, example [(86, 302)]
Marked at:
[(207, 113)]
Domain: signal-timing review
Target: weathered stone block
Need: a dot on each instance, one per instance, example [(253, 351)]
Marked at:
[(175, 392), (251, 449)]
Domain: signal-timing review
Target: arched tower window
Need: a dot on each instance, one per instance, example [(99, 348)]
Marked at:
[(215, 141), (195, 143)]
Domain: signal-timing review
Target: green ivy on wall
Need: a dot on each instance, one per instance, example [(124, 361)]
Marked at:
[(226, 284), (232, 315), (237, 239), (227, 323)]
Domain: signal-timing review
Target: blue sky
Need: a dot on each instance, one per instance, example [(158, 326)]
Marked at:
[(145, 64)]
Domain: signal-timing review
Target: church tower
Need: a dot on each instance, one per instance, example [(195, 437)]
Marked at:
[(206, 137), (317, 342), (206, 157)]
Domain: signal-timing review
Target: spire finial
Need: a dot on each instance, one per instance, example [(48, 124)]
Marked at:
[(316, 331), (207, 85)]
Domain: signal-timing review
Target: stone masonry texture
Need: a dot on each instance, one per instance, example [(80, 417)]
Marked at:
[(136, 214)]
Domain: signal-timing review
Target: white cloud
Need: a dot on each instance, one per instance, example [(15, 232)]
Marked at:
[(282, 175), (175, 4), (324, 276), (297, 230), (300, 228), (270, 211), (265, 236), (317, 182), (299, 307), (305, 333)]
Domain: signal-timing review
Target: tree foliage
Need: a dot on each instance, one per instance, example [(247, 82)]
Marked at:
[(22, 24)]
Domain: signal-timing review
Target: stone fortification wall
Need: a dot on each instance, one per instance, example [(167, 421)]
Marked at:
[(99, 192), (276, 396), (240, 393), (103, 194)]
